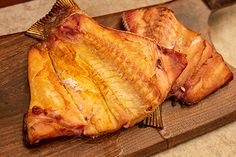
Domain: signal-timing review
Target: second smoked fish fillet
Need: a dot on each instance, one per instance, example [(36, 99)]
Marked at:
[(88, 79), (206, 70)]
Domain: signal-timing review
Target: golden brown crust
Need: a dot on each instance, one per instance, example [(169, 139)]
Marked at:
[(51, 107), (108, 79), (212, 75), (132, 56), (206, 70)]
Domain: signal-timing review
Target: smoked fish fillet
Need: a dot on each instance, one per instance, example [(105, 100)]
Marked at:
[(87, 79), (206, 70)]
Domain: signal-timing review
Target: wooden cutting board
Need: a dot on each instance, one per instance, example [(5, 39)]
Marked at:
[(180, 123)]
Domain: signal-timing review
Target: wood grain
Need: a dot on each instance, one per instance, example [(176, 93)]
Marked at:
[(180, 123), (184, 123), (14, 103)]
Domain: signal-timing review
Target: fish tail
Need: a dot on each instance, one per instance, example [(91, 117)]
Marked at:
[(154, 120), (60, 9)]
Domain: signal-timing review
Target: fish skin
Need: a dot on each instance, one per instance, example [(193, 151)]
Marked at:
[(111, 78), (133, 55), (51, 112), (198, 79)]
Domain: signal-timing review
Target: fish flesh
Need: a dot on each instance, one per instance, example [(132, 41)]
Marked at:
[(87, 79), (206, 70)]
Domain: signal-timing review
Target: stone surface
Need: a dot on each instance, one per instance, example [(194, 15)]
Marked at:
[(220, 142), (223, 32), (20, 17)]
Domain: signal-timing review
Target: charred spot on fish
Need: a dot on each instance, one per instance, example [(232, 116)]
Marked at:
[(170, 18), (149, 108), (62, 129), (45, 111), (158, 64), (58, 117), (32, 128), (37, 110)]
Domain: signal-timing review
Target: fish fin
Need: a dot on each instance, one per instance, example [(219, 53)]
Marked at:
[(60, 9), (154, 120)]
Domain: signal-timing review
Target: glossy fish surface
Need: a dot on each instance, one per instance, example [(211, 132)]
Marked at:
[(206, 70), (86, 79)]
